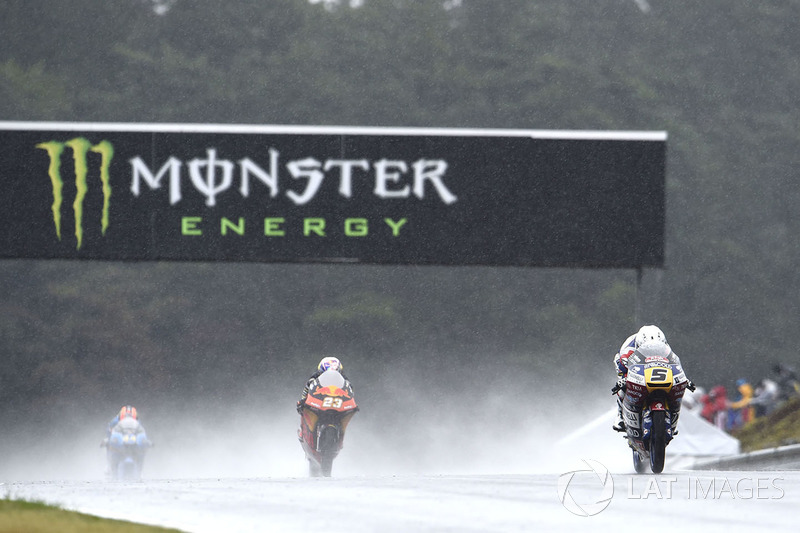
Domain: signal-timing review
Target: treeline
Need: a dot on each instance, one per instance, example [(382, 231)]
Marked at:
[(720, 77)]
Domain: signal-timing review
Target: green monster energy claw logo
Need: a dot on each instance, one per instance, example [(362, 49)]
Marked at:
[(80, 148)]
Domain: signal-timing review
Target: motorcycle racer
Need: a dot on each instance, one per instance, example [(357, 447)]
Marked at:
[(646, 334), (126, 420), (127, 411), (326, 363), (325, 410)]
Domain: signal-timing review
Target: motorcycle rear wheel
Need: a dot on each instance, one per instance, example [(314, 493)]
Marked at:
[(658, 441)]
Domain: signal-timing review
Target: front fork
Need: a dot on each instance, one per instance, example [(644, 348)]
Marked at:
[(647, 422)]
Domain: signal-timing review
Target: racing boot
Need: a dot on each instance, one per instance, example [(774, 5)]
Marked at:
[(619, 424), (674, 420)]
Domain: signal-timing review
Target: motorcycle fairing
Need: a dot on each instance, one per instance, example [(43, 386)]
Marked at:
[(329, 392), (650, 386), (329, 406), (330, 398)]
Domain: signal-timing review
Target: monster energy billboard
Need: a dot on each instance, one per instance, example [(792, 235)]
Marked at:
[(310, 194)]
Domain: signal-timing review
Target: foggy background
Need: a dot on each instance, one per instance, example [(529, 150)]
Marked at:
[(456, 369)]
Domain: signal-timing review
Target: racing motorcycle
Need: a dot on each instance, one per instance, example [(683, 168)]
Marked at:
[(653, 391), (126, 446), (327, 411)]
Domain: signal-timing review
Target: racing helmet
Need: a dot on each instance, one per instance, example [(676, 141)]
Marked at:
[(649, 334), (329, 363), (128, 411)]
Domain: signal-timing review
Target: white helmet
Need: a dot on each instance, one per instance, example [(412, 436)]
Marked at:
[(329, 363), (649, 334)]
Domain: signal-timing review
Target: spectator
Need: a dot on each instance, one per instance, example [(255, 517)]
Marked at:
[(719, 407), (788, 384), (707, 411), (766, 397), (742, 411)]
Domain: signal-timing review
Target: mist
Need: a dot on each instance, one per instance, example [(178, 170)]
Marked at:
[(456, 369), (474, 421)]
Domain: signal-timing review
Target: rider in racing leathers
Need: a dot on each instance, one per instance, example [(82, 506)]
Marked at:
[(646, 334), (128, 412), (125, 412), (327, 363)]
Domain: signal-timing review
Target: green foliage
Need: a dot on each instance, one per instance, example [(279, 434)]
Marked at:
[(720, 77), (31, 92), (38, 517), (780, 428)]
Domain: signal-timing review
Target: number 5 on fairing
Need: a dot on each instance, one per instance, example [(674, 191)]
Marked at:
[(659, 375)]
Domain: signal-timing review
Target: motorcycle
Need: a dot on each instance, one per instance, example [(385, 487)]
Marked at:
[(653, 391), (327, 411), (127, 446)]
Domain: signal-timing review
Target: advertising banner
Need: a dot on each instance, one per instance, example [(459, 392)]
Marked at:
[(193, 192)]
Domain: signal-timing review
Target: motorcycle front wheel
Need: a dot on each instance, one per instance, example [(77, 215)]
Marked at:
[(328, 447), (658, 441), (313, 469)]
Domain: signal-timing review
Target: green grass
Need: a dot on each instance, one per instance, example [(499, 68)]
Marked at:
[(18, 516), (778, 429)]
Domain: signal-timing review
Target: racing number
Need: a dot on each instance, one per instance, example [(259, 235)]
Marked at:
[(330, 401), (659, 374)]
